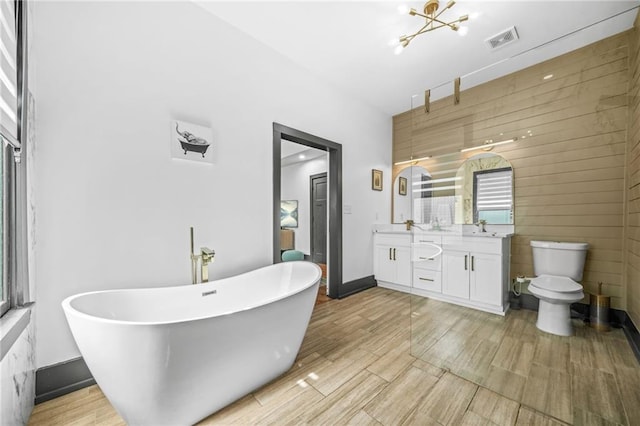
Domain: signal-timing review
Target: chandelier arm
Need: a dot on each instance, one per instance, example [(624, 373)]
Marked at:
[(416, 13), (444, 9), (420, 31), (423, 30), (449, 24)]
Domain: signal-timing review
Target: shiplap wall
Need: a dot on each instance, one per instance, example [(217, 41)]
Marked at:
[(632, 231), (569, 176)]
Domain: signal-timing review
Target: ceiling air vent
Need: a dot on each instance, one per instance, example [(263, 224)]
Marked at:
[(502, 39)]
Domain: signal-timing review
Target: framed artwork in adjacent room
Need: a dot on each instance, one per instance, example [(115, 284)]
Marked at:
[(376, 180)]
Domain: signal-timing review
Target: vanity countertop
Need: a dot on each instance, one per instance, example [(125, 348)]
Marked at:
[(391, 231), (456, 231), (488, 235)]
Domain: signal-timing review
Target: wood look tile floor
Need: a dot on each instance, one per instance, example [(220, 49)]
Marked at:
[(386, 358)]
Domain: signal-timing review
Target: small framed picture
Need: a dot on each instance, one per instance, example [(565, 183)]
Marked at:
[(289, 213), (402, 187), (376, 180)]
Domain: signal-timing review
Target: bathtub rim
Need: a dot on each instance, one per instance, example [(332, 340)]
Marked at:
[(70, 310)]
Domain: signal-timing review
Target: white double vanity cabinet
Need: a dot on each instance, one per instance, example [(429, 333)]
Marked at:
[(466, 269)]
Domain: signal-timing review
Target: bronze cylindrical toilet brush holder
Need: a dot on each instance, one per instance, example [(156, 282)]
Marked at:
[(599, 310)]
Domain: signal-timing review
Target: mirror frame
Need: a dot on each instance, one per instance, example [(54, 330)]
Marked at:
[(503, 167)]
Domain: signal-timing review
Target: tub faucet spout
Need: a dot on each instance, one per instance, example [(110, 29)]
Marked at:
[(207, 255)]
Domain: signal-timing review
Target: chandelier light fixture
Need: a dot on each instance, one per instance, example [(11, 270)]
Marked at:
[(433, 21)]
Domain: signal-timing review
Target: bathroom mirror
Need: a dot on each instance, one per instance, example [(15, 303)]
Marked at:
[(410, 191), (485, 190)]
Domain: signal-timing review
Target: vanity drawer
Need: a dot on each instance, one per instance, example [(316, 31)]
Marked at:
[(427, 238), (426, 256), (427, 279)]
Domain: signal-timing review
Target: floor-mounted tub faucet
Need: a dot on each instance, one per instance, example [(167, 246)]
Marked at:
[(206, 256)]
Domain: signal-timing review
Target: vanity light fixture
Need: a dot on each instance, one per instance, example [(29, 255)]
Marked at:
[(489, 145), (439, 188), (432, 181), (432, 20), (412, 160)]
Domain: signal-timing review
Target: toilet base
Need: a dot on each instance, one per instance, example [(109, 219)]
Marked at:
[(554, 318)]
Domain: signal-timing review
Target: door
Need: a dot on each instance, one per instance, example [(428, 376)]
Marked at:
[(455, 273), (486, 278), (318, 218), (384, 266)]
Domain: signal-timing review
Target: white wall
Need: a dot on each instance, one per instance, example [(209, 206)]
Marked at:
[(295, 186), (114, 210)]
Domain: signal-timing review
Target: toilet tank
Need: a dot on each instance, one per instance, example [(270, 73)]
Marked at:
[(556, 258)]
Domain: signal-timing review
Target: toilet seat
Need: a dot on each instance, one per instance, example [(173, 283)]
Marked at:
[(556, 284), (556, 289)]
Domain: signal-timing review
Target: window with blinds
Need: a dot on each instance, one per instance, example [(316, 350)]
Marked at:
[(13, 273), (8, 71), (493, 196)]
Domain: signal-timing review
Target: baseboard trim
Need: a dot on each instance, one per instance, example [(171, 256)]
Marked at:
[(630, 330), (356, 286), (62, 378)]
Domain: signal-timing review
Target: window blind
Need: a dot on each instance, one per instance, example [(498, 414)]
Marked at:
[(8, 72), (494, 190)]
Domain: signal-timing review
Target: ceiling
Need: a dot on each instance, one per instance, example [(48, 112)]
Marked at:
[(294, 153), (348, 43)]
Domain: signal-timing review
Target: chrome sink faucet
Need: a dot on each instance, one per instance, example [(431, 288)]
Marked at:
[(206, 256)]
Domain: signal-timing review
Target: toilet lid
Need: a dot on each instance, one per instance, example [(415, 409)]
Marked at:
[(555, 283)]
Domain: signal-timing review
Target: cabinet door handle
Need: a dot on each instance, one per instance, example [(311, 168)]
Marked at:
[(472, 266), (465, 261), (425, 279), (390, 258), (394, 254), (427, 241), (425, 258)]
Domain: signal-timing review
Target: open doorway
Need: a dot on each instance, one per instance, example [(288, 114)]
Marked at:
[(333, 200), (303, 212)]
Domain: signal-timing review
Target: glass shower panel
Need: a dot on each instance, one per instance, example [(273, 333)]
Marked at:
[(561, 126)]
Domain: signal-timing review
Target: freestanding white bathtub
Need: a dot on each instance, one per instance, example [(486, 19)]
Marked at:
[(175, 355)]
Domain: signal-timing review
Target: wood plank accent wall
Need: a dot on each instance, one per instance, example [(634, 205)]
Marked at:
[(570, 176), (632, 231)]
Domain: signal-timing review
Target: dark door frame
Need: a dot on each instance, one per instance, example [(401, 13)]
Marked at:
[(311, 212), (334, 174)]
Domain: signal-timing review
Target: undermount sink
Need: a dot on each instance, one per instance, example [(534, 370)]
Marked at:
[(486, 234)]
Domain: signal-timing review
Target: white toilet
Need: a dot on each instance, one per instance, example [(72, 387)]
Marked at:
[(558, 268)]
